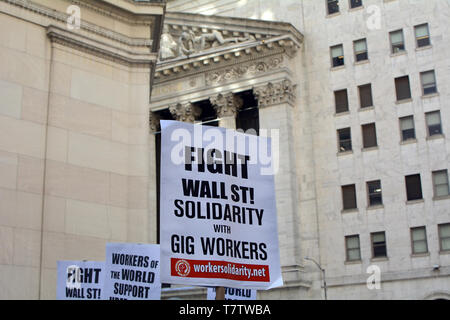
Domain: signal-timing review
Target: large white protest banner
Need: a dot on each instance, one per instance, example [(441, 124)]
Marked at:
[(79, 280), (218, 214), (233, 294), (132, 272)]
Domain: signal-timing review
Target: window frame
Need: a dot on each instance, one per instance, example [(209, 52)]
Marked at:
[(413, 128), (347, 249), (413, 252), (355, 197), (364, 137), (360, 96), (422, 84), (345, 140), (366, 52), (440, 226), (428, 36), (433, 175), (347, 106), (393, 44), (341, 58), (429, 134), (420, 185), (350, 4), (396, 80), (380, 193), (372, 235), (328, 2)]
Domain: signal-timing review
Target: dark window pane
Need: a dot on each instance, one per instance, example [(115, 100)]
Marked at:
[(408, 134), (402, 88), (341, 100), (434, 123), (345, 140), (333, 6), (349, 197), (379, 245), (374, 190), (362, 56), (355, 3), (413, 187), (423, 42), (369, 135), (365, 96)]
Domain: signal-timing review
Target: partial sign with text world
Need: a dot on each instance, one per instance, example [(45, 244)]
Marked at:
[(218, 212)]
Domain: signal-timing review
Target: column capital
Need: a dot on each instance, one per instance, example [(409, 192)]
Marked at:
[(275, 93), (154, 122), (185, 112), (227, 104)]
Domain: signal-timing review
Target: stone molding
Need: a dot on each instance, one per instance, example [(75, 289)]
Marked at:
[(226, 105), (100, 49), (275, 93), (185, 112)]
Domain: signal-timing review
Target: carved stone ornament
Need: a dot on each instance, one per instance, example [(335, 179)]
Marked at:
[(154, 122), (275, 93), (226, 105), (243, 70), (185, 112)]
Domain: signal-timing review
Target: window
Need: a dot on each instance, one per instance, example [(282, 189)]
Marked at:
[(379, 249), (365, 96), (337, 56), (360, 47), (352, 247), (333, 6), (345, 140), (434, 123), (349, 197), (419, 240), (440, 183), (413, 187), (397, 41), (402, 88), (444, 237), (407, 128), (369, 135), (422, 35), (355, 3), (428, 80), (341, 100), (374, 193)]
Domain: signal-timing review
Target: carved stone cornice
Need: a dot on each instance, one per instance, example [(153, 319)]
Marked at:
[(185, 112), (226, 105), (275, 93)]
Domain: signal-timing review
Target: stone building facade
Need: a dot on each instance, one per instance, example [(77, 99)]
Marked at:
[(74, 152), (359, 91)]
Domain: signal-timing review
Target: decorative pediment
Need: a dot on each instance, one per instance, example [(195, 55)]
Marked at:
[(191, 42)]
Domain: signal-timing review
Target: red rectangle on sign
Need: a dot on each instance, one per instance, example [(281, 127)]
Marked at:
[(219, 270)]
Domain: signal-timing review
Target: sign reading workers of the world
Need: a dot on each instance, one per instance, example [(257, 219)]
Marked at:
[(218, 214), (132, 272), (80, 280)]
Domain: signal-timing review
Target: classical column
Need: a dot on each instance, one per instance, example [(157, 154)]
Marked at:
[(185, 112), (276, 117), (227, 107)]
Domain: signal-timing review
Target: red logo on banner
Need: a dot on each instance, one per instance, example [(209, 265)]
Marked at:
[(219, 270), (182, 268)]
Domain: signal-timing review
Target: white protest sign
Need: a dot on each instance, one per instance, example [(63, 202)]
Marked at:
[(79, 280), (132, 272), (233, 294), (218, 212)]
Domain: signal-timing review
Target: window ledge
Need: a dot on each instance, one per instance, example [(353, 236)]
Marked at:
[(329, 16), (411, 202), (356, 8), (369, 149), (366, 109), (441, 198), (401, 53), (444, 252), (432, 95), (403, 101), (338, 68), (344, 153), (357, 63), (345, 113), (409, 141), (379, 259), (378, 206), (424, 48), (350, 210), (353, 262), (435, 137), (420, 255)]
